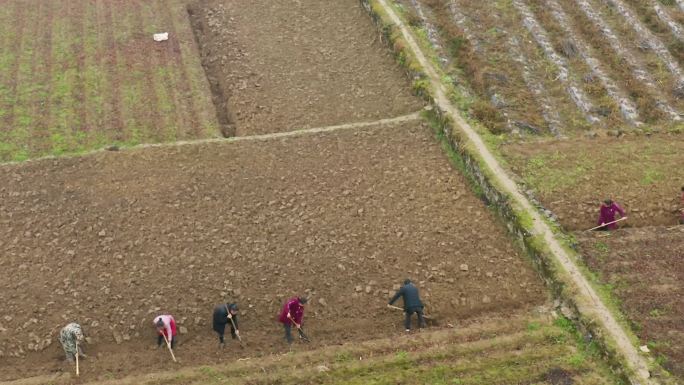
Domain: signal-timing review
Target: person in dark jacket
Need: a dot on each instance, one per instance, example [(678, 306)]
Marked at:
[(412, 303), (223, 314)]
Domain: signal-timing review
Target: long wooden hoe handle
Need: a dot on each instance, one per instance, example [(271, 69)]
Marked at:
[(234, 328), (398, 308), (606, 224), (236, 331), (294, 322), (168, 345), (78, 373)]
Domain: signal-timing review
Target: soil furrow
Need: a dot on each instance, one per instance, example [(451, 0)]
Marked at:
[(43, 76), (542, 39), (617, 93), (40, 137), (115, 112), (144, 64), (654, 41), (80, 95), (665, 18), (12, 81), (549, 113), (171, 111), (637, 68), (588, 301), (460, 20), (186, 94)]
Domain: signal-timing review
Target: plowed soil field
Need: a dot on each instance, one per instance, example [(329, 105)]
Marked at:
[(112, 239), (571, 177), (643, 262), (645, 268), (276, 66)]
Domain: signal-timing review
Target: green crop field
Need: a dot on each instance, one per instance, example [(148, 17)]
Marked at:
[(82, 75)]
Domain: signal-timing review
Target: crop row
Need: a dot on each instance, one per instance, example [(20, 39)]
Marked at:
[(561, 66), (87, 74)]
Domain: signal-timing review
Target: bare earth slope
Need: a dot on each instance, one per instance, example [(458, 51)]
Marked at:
[(645, 268), (112, 239), (286, 65)]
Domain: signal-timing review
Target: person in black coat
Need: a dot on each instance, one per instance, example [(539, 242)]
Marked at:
[(223, 314), (412, 303)]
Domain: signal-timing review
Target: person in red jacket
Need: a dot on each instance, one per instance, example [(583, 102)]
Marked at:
[(292, 314), (681, 218), (166, 326)]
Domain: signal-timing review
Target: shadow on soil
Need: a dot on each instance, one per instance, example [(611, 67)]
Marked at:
[(198, 20)]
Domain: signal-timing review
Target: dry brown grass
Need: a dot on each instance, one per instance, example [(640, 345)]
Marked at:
[(489, 71), (604, 105), (643, 98)]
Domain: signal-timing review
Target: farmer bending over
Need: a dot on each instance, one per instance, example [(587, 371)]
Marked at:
[(607, 214), (71, 338), (681, 218), (166, 327), (223, 315), (292, 314), (412, 303)]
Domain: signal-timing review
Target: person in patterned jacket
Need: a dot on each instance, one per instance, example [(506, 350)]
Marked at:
[(166, 327), (69, 336)]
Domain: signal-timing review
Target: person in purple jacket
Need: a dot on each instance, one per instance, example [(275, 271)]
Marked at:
[(292, 314), (607, 214)]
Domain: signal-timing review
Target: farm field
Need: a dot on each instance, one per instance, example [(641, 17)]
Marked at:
[(516, 349), (113, 238), (645, 269), (82, 75), (571, 177), (342, 217), (297, 70), (557, 67), (641, 264), (584, 98)]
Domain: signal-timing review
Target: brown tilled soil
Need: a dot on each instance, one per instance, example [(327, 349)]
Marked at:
[(277, 66), (645, 266), (111, 240), (571, 177)]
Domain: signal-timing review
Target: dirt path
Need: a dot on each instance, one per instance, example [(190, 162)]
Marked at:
[(587, 299), (296, 132)]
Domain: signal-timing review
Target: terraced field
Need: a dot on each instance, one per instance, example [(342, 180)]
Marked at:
[(342, 217), (514, 350), (84, 75), (342, 213), (585, 99), (644, 268), (559, 67), (642, 263)]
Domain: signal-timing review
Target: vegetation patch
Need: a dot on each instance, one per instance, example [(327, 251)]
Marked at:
[(88, 76)]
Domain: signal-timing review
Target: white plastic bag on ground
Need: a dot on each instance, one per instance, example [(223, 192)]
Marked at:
[(161, 36)]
